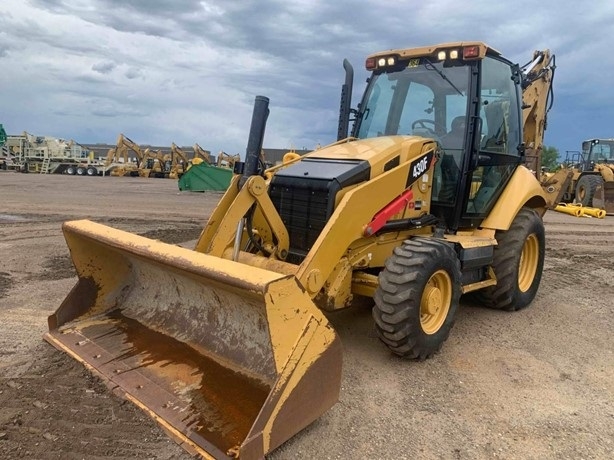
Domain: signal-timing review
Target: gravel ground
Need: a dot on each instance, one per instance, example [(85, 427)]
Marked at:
[(538, 383)]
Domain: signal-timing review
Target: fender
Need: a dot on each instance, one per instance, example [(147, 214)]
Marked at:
[(522, 190)]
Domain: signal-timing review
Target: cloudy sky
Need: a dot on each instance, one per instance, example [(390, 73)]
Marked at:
[(187, 71)]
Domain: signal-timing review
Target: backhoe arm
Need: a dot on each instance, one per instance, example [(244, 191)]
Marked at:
[(537, 98)]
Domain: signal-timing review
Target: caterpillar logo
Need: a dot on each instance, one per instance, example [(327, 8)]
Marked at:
[(418, 167)]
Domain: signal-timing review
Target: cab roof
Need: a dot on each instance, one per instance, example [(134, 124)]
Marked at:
[(406, 53)]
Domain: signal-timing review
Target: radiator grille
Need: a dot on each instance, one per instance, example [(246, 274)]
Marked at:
[(304, 195), (304, 212)]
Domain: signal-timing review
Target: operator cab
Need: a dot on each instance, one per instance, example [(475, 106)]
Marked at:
[(467, 98), (598, 151)]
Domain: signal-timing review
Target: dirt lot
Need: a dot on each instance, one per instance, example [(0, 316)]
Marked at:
[(533, 384)]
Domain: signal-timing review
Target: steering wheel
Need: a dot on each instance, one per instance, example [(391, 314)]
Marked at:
[(422, 123)]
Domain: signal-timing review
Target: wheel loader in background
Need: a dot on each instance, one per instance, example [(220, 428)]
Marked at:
[(592, 183), (227, 346)]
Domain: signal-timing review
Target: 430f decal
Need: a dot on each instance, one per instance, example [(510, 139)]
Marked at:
[(418, 167)]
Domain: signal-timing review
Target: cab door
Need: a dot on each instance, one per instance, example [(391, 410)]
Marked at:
[(497, 139)]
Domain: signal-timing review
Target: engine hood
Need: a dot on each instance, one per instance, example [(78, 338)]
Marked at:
[(382, 153)]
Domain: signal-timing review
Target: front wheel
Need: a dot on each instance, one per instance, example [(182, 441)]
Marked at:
[(586, 188), (417, 297), (518, 263)]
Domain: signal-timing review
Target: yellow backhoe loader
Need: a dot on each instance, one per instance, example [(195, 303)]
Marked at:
[(227, 345)]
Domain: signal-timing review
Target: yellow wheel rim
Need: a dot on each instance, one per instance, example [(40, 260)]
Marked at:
[(435, 302), (528, 263)]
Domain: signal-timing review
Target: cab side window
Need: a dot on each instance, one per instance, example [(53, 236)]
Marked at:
[(500, 136), (499, 109)]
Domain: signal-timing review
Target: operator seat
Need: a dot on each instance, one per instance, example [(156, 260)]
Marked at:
[(452, 144), (496, 114), (454, 139)]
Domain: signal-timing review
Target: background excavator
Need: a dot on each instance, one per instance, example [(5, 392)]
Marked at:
[(200, 153), (227, 345), (152, 163), (179, 162), (118, 160), (226, 160)]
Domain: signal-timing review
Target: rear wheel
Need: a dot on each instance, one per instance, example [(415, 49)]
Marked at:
[(92, 171), (417, 297), (586, 187), (80, 171), (518, 263), (71, 170)]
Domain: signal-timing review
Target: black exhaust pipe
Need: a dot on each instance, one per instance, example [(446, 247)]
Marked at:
[(256, 138), (346, 101)]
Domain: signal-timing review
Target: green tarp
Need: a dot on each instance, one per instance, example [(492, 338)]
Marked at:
[(203, 177)]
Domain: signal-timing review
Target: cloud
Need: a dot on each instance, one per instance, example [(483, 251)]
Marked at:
[(133, 73), (104, 67), (188, 71)]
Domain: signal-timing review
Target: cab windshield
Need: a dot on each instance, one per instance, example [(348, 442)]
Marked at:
[(599, 150), (423, 98)]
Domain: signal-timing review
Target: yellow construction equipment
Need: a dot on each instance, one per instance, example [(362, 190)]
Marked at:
[(151, 163), (163, 165), (593, 212), (577, 210), (202, 154), (225, 160), (592, 172), (118, 162), (179, 162), (227, 345)]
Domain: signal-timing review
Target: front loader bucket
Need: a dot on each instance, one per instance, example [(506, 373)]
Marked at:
[(604, 197), (230, 359)]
